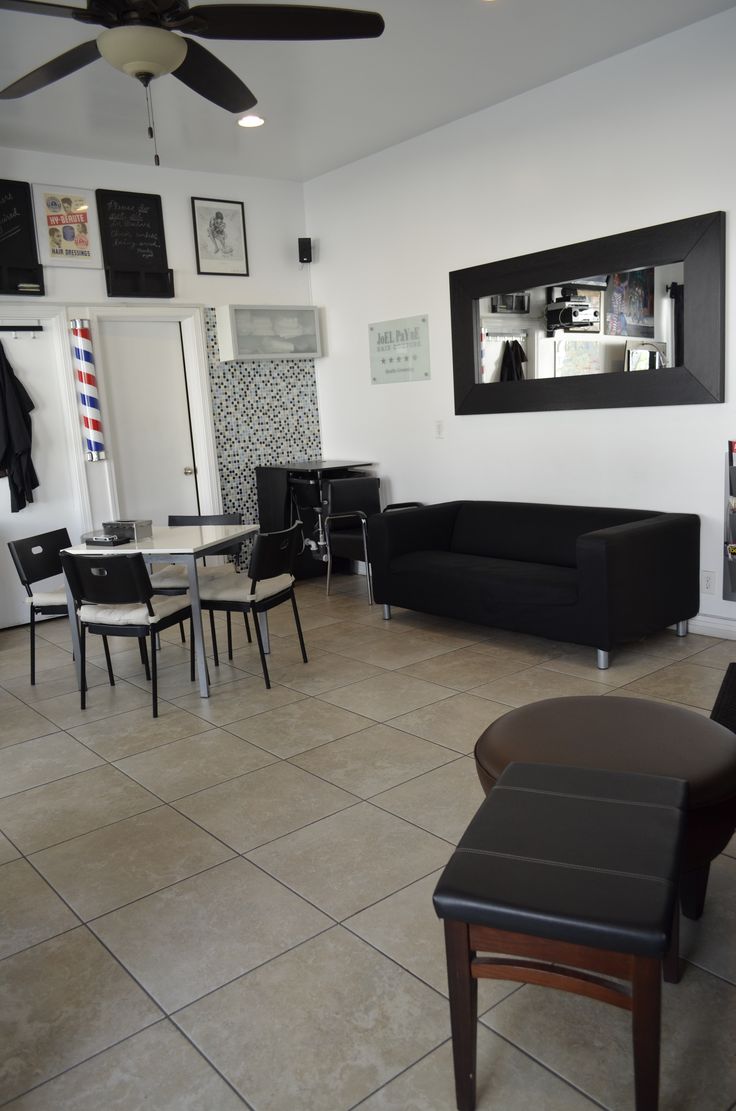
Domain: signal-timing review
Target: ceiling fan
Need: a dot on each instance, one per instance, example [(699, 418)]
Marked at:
[(140, 38)]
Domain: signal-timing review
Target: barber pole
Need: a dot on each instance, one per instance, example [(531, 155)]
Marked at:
[(84, 367)]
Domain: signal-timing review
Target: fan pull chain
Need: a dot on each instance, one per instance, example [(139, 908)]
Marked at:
[(151, 124)]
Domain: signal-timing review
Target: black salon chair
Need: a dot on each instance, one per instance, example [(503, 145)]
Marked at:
[(269, 582), (37, 558), (350, 502), (173, 579), (113, 596)]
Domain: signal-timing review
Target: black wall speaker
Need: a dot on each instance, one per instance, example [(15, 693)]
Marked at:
[(305, 249)]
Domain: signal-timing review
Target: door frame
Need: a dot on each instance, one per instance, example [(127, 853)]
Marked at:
[(55, 318), (196, 372)]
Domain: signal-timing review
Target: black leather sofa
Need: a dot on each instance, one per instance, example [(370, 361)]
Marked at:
[(588, 575)]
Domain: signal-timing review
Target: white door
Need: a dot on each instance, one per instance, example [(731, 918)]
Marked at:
[(56, 501), (146, 418)]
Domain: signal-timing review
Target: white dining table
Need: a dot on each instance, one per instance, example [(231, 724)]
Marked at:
[(183, 544)]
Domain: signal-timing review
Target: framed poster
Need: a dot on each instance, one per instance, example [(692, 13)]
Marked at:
[(629, 304), (219, 237), (20, 271), (66, 224), (133, 244)]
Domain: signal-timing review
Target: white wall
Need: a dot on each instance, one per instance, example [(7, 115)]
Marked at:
[(638, 140), (274, 218), (274, 215)]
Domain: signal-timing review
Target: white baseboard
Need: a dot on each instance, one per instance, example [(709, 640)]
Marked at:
[(711, 626)]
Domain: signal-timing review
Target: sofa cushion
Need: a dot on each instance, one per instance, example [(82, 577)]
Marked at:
[(448, 578), (536, 533)]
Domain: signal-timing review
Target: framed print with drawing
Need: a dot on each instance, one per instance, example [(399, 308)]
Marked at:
[(66, 226), (219, 236)]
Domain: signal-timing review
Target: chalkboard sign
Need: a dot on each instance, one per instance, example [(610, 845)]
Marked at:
[(133, 244), (20, 272)]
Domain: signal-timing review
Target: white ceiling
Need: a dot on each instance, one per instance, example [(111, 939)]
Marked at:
[(327, 103)]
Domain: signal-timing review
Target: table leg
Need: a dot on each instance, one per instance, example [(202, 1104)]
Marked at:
[(199, 650), (74, 630)]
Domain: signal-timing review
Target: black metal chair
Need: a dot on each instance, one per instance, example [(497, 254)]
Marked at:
[(269, 582), (113, 596), (37, 558), (350, 502), (173, 579)]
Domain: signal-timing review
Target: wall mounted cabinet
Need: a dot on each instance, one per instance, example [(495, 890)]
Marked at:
[(268, 332)]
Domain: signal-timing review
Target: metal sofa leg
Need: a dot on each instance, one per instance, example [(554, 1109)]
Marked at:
[(601, 659), (681, 628), (387, 613)]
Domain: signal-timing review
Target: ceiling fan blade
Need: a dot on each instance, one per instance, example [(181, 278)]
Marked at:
[(284, 22), (207, 75), (70, 62), (41, 9)]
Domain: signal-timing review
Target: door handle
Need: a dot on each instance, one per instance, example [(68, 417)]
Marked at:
[(189, 470)]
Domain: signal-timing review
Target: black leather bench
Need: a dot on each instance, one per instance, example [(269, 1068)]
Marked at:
[(570, 874), (635, 735)]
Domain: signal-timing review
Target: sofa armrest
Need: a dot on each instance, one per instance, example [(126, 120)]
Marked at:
[(640, 576), (428, 527)]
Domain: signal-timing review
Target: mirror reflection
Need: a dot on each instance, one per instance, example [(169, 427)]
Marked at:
[(624, 322)]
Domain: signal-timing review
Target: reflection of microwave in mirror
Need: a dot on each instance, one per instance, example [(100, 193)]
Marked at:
[(509, 302)]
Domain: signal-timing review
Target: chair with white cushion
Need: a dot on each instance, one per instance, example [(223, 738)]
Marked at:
[(113, 596), (269, 582), (173, 579), (37, 558)]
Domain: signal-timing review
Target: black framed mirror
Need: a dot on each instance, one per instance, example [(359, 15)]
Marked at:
[(678, 267)]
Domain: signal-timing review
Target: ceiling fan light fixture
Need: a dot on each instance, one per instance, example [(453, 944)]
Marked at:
[(142, 50), (251, 120)]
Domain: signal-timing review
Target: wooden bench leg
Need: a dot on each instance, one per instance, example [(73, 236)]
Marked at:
[(646, 1027), (672, 965), (463, 1011)]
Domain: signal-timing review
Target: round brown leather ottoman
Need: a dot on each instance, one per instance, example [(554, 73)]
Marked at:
[(630, 735)]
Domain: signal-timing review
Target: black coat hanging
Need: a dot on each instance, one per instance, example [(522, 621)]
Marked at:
[(15, 437), (511, 362)]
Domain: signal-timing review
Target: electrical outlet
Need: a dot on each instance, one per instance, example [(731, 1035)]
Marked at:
[(439, 430), (707, 582)]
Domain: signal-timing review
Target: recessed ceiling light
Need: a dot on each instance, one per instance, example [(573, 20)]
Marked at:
[(251, 121)]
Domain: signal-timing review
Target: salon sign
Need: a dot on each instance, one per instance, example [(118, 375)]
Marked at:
[(399, 350)]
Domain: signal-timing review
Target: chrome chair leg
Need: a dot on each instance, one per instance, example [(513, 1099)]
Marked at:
[(329, 559), (368, 576)]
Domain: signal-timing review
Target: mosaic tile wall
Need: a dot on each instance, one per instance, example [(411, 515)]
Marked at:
[(264, 413)]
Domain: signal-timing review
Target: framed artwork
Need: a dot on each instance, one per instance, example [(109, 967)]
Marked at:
[(629, 304), (66, 226), (219, 237)]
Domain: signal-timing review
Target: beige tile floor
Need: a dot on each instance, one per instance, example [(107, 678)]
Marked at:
[(231, 906)]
